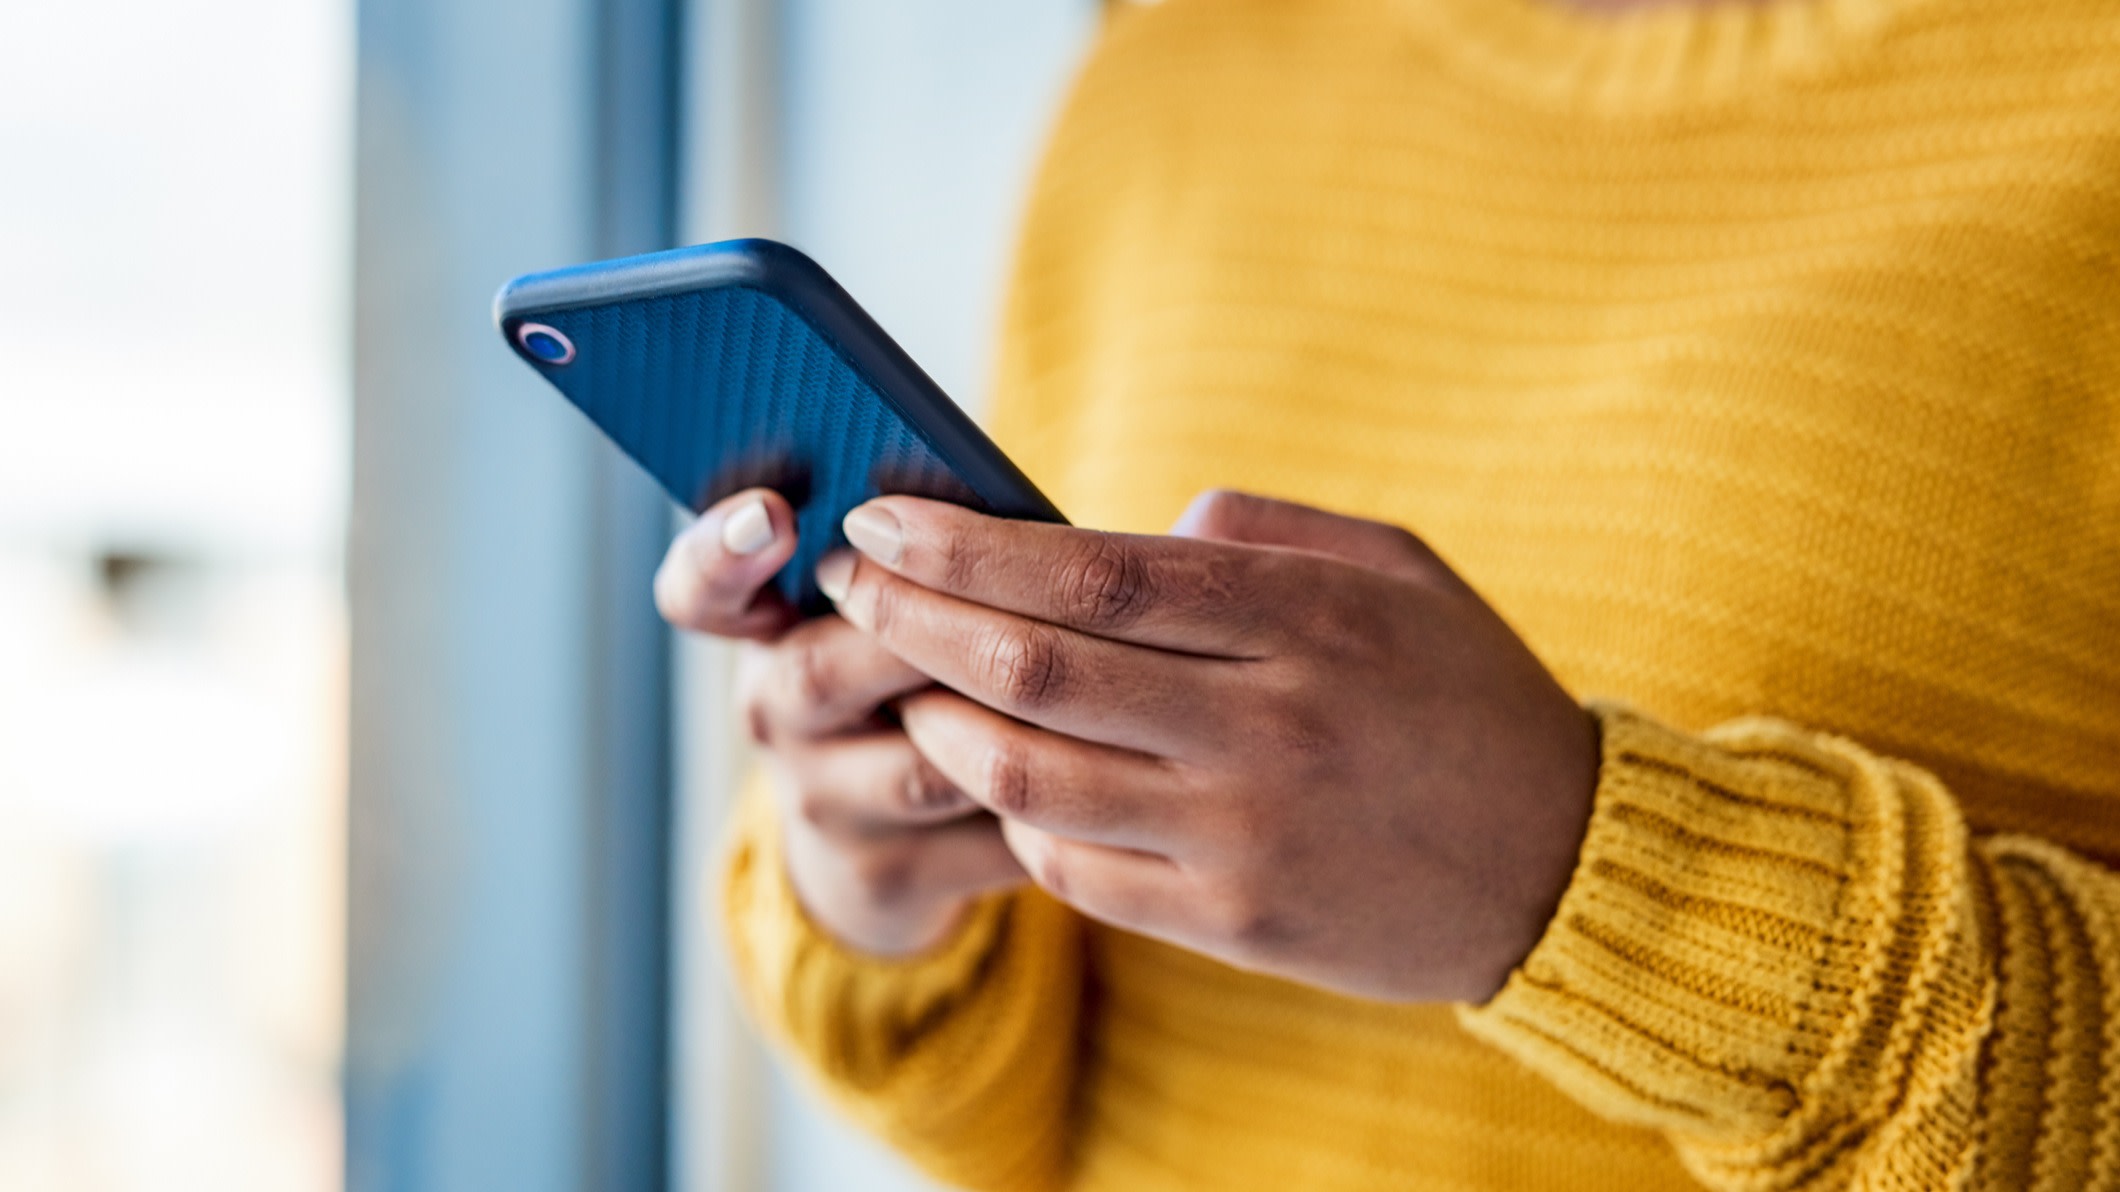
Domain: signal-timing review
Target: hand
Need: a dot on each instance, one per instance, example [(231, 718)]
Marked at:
[(883, 851), (1290, 740)]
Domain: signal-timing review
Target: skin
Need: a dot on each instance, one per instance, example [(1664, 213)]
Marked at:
[(1292, 741)]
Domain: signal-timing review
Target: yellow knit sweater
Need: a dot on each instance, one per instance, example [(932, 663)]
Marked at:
[(1761, 364)]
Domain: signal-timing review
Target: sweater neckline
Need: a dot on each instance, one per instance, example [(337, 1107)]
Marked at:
[(1661, 57)]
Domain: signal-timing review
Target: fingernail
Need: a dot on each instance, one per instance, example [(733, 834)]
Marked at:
[(834, 572), (875, 533), (748, 530)]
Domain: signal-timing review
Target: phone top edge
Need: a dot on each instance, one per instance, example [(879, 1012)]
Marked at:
[(649, 275), (793, 278)]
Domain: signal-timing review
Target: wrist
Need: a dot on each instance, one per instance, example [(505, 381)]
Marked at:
[(1549, 847), (1711, 913), (905, 931)]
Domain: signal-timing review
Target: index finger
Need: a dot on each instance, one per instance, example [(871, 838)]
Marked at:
[(1182, 594)]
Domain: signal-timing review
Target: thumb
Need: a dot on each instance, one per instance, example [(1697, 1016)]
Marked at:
[(1220, 515)]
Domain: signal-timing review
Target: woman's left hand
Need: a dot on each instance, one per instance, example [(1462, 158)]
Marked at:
[(1290, 740)]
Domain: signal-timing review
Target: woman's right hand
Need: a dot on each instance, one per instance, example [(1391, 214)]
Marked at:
[(882, 851)]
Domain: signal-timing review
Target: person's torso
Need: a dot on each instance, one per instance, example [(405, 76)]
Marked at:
[(1775, 385)]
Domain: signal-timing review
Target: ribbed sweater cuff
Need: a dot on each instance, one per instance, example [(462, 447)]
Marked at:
[(963, 1058), (853, 1010), (1700, 962)]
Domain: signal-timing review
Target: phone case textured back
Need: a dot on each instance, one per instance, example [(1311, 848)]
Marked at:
[(717, 390)]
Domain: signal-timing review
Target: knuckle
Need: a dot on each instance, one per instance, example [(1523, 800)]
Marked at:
[(813, 809), (1248, 922), (1229, 514), (887, 877), (1217, 509), (879, 598), (956, 563), (1236, 579), (1417, 550), (721, 592), (923, 790), (1407, 543), (757, 714), (1006, 776), (1106, 585), (1026, 666), (1050, 870), (809, 676), (1257, 931), (1329, 624)]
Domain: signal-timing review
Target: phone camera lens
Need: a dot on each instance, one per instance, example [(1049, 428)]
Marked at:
[(545, 343)]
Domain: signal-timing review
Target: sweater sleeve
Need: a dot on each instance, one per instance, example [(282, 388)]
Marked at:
[(961, 1059), (1793, 958)]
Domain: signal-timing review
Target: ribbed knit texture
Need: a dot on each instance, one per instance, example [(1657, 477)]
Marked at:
[(1761, 364)]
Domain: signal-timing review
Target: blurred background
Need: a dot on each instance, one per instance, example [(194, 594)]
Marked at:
[(355, 811)]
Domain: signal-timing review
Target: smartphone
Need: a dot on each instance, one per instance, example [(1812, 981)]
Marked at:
[(742, 363)]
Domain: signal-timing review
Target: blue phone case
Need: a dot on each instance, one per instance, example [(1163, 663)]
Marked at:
[(743, 363)]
